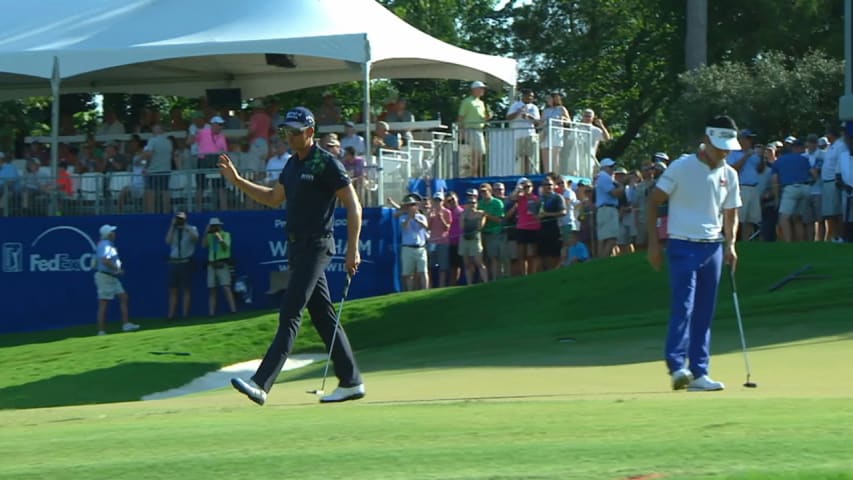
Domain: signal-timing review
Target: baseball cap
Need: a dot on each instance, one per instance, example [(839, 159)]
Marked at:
[(438, 196), (621, 170), (478, 84), (607, 162), (349, 124), (521, 181), (823, 141), (471, 192), (299, 117), (218, 120), (333, 142), (215, 221), (410, 199), (181, 215), (790, 139), (723, 132), (661, 156), (660, 165), (583, 182), (105, 230)]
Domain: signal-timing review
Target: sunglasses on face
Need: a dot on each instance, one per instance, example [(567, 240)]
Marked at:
[(292, 132), (547, 184)]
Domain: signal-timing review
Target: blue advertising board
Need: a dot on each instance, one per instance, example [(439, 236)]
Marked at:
[(47, 277)]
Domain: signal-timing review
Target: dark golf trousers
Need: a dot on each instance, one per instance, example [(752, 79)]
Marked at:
[(308, 259)]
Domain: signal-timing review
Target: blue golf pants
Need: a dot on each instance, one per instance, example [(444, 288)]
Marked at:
[(694, 272)]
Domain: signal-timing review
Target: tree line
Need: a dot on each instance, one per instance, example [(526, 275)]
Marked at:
[(776, 67)]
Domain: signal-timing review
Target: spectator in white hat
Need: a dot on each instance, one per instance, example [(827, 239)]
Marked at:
[(472, 118), (607, 194), (108, 269)]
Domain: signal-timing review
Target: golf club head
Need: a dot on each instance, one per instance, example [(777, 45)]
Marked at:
[(315, 392), (750, 385)]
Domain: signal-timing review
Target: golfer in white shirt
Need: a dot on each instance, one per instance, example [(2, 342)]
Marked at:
[(704, 196)]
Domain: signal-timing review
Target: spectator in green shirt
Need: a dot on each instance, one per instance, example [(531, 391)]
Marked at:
[(218, 243), (494, 237)]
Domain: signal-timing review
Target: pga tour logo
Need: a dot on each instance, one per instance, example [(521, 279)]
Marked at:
[(79, 256)]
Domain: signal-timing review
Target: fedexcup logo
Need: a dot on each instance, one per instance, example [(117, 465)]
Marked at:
[(58, 249)]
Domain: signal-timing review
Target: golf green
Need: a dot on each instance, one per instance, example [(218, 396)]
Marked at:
[(463, 383)]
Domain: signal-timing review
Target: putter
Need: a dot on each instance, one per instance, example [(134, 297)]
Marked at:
[(322, 389), (749, 383)]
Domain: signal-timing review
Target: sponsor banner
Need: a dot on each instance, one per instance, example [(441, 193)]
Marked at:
[(48, 263)]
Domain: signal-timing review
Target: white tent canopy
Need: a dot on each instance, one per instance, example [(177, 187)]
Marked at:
[(184, 47)]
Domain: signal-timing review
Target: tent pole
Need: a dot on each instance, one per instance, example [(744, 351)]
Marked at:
[(368, 142), (54, 132)]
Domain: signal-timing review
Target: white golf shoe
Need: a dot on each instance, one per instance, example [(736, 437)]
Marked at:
[(681, 379), (250, 389), (705, 384), (129, 327), (342, 394)]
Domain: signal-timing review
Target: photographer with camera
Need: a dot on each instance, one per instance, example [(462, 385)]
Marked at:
[(182, 239), (218, 243)]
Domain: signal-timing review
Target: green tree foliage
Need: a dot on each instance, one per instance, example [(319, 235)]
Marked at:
[(619, 57), (776, 95)]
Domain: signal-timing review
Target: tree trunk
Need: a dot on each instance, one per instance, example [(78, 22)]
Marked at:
[(696, 41)]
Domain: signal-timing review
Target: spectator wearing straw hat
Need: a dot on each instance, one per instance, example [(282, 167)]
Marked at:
[(414, 231), (218, 243)]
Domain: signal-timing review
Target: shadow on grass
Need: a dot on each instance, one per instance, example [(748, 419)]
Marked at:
[(121, 383)]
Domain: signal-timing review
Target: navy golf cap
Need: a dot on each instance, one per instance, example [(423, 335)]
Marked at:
[(299, 117)]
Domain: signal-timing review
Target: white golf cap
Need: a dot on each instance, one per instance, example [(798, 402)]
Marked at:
[(215, 221), (723, 138), (478, 84), (790, 139), (217, 119), (823, 141), (607, 162), (106, 230)]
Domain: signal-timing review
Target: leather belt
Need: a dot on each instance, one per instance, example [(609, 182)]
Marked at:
[(696, 240), (301, 238)]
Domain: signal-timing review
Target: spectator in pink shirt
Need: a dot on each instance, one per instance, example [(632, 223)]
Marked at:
[(260, 126), (527, 230), (211, 143), (440, 219), (454, 234)]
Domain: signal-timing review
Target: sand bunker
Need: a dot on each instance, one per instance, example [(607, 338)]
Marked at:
[(222, 377)]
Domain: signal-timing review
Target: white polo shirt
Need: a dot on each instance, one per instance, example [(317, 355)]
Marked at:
[(697, 197)]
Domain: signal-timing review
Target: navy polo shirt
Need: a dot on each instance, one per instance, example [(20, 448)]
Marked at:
[(310, 187), (792, 168)]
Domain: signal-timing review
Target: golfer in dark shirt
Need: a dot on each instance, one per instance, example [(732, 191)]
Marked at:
[(311, 182)]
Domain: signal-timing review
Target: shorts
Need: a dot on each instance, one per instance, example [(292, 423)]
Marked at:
[(750, 211), (455, 259), (470, 248), (527, 237), (476, 139), (180, 274), (439, 256), (794, 199), (627, 230), (607, 223), (566, 231), (495, 245), (812, 212), (527, 147), (642, 230), (157, 181), (831, 199), (208, 162), (550, 244), (556, 136), (218, 276), (413, 260), (108, 286), (511, 250)]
